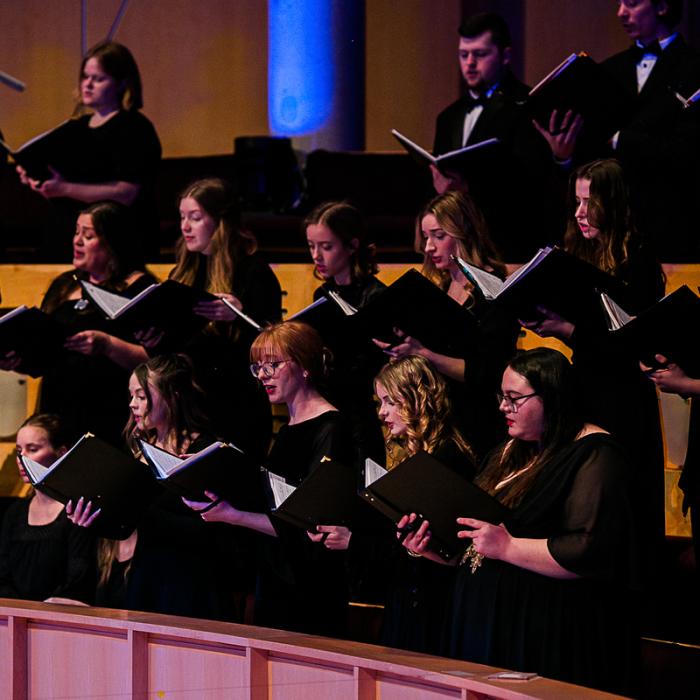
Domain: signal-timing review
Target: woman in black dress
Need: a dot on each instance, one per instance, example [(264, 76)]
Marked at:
[(42, 555), (217, 255), (416, 412), (552, 591), (301, 584), (107, 151), (451, 225), (615, 394), (172, 563), (97, 356), (343, 258)]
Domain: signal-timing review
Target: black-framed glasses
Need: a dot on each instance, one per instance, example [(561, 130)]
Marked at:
[(269, 369), (513, 403)]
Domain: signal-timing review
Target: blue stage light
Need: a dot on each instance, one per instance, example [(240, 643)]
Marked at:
[(301, 70)]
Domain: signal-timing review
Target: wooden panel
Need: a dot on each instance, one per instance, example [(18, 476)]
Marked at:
[(390, 688), (180, 670), (412, 68), (554, 30), (66, 661), (292, 679), (190, 658)]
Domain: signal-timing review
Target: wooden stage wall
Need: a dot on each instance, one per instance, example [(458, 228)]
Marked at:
[(51, 652)]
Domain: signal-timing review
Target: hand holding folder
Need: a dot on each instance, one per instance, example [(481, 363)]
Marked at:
[(426, 490)]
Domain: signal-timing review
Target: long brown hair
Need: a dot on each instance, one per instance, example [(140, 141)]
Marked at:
[(609, 211), (458, 215), (229, 243), (172, 377), (421, 395)]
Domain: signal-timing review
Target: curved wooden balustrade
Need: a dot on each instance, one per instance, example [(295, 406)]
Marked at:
[(54, 651)]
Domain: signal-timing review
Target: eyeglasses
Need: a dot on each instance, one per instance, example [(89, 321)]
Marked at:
[(269, 369), (513, 403)]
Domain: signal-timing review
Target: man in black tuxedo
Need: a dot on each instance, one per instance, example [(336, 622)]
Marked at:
[(514, 191), (659, 141)]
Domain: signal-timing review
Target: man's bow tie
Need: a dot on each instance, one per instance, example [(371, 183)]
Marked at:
[(650, 49)]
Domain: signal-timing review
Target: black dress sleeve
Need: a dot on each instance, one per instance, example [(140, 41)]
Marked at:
[(595, 536), (258, 289), (7, 586)]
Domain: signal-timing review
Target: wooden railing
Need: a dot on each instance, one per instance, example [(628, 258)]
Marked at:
[(52, 651)]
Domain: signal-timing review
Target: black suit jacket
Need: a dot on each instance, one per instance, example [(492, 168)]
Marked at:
[(500, 118), (658, 146), (517, 193)]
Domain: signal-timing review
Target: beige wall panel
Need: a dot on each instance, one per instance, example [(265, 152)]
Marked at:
[(553, 30), (57, 668), (203, 65), (180, 671), (412, 69), (298, 679)]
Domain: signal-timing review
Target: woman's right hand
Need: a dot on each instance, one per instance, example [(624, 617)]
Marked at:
[(214, 510), (10, 362), (25, 179), (415, 541), (82, 514)]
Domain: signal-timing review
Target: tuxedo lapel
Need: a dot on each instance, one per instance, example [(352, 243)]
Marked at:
[(489, 123), (665, 72)]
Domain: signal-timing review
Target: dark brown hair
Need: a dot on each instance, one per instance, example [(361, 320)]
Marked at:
[(346, 222)]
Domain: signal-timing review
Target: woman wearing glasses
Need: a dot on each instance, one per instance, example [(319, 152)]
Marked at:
[(290, 362), (550, 592)]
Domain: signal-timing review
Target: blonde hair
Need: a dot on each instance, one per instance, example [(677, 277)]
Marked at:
[(420, 393), (459, 217)]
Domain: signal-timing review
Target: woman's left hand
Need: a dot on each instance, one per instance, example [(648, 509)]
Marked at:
[(406, 346), (491, 541), (88, 343), (217, 310), (669, 377), (549, 325), (331, 536), (55, 186)]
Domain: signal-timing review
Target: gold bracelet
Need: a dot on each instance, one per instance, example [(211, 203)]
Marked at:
[(473, 557), (415, 555)]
